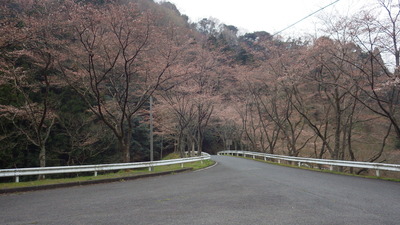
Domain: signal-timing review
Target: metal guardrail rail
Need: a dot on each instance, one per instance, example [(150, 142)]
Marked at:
[(367, 165), (17, 172)]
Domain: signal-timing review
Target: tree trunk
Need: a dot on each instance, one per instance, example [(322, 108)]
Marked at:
[(193, 149), (124, 144), (42, 160), (182, 146), (126, 154), (200, 141), (338, 119), (161, 147)]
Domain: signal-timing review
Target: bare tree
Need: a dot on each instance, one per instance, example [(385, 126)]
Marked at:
[(377, 32), (124, 57)]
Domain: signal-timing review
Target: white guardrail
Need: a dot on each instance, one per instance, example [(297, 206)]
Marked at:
[(17, 172), (368, 165)]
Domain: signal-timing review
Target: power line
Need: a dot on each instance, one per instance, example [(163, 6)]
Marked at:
[(309, 15)]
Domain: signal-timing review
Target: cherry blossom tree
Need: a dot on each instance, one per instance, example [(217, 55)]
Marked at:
[(30, 49), (122, 58), (376, 33), (180, 105)]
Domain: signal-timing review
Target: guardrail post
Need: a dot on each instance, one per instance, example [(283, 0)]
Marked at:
[(279, 161), (95, 173), (378, 173), (331, 168), (17, 179), (265, 158), (181, 165), (299, 164), (254, 157)]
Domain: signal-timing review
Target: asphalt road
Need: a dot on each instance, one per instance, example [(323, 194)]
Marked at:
[(236, 191)]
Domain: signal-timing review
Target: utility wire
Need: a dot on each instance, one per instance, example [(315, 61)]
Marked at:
[(309, 15)]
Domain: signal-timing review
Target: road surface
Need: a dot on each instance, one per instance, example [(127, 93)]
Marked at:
[(236, 191)]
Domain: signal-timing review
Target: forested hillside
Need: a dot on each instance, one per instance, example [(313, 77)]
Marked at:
[(77, 75)]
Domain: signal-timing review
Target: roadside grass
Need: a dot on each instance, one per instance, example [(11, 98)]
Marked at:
[(321, 170), (173, 155), (120, 174)]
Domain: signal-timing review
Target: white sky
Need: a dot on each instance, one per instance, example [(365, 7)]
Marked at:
[(266, 15)]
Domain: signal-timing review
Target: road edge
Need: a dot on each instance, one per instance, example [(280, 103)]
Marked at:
[(389, 179)]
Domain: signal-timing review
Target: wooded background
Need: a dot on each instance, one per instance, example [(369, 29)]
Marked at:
[(76, 77)]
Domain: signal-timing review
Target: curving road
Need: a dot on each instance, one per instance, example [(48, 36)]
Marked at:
[(236, 191)]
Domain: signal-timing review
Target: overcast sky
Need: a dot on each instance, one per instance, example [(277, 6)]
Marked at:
[(266, 15)]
